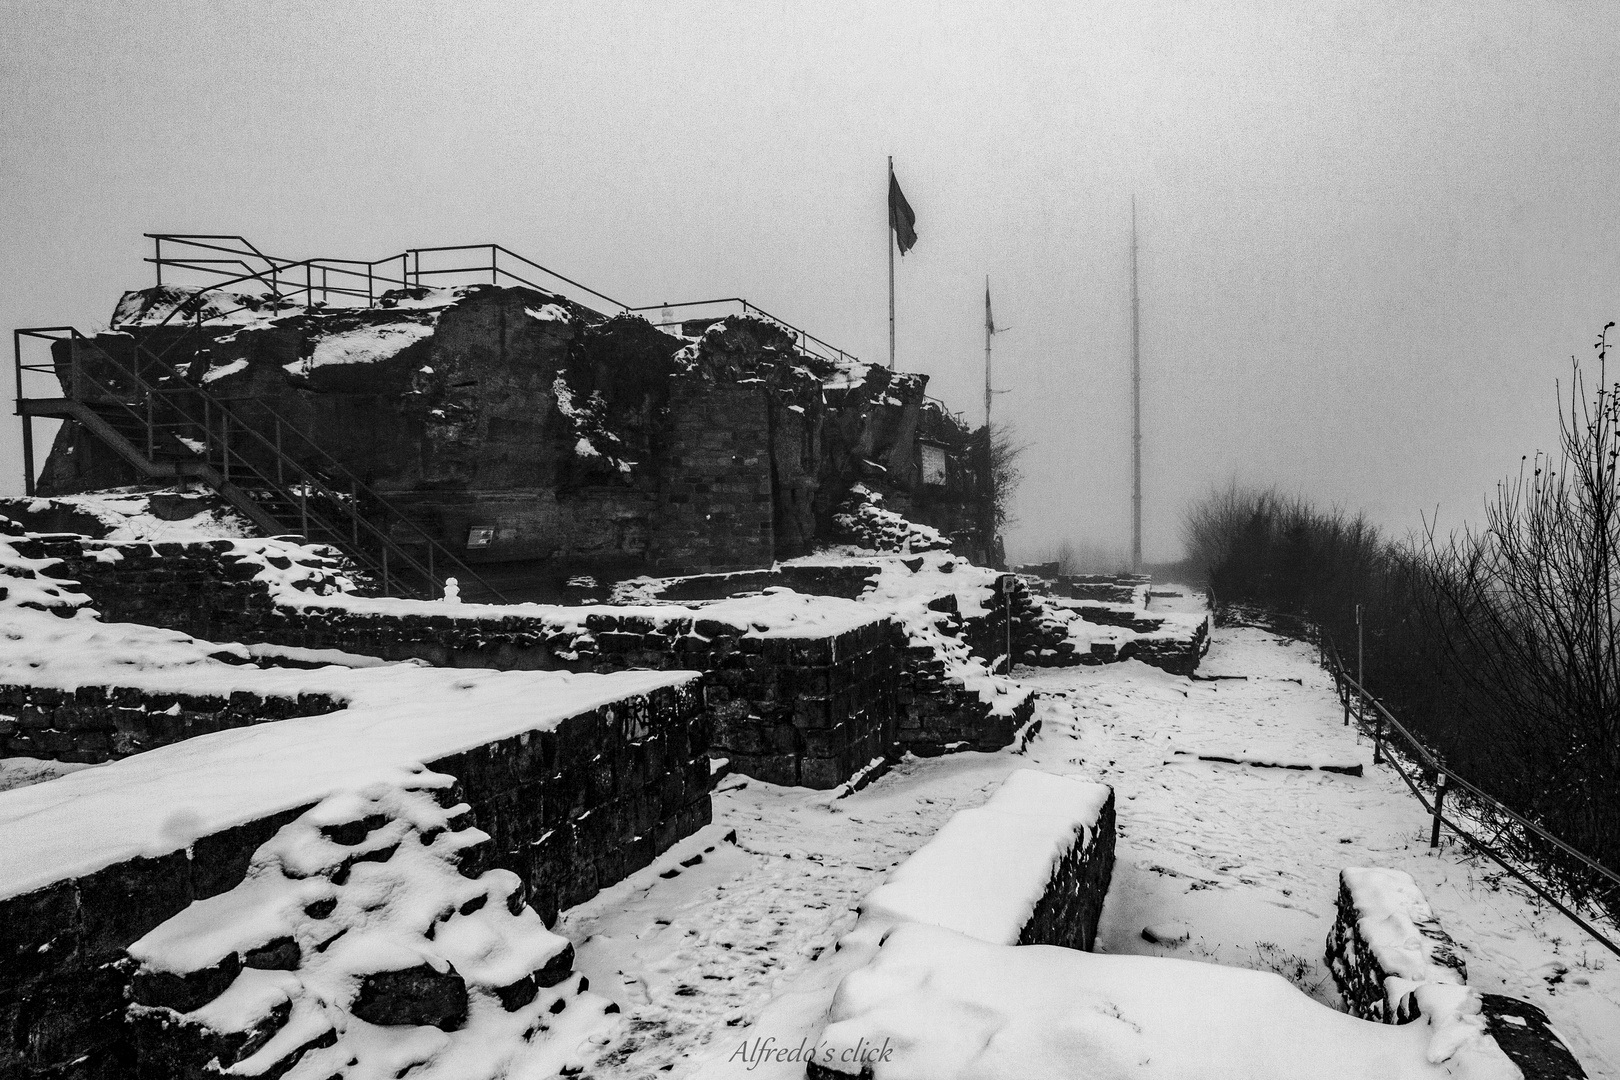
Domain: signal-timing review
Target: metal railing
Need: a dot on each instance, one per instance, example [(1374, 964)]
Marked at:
[(172, 408), (175, 411), (234, 260), (1382, 726)]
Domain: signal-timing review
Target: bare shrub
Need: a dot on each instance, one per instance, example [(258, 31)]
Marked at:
[(1527, 608)]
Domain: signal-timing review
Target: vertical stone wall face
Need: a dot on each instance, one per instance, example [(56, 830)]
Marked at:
[(570, 810), (715, 497), (811, 712), (100, 723), (1069, 910)]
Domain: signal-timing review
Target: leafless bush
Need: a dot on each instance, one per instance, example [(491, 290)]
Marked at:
[(1527, 608)]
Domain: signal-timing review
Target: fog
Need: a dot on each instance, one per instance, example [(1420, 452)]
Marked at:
[(1371, 234)]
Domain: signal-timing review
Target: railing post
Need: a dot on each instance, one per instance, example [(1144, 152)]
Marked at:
[(1344, 695), (280, 457), (369, 300), (150, 448), (385, 569), (225, 441), (433, 579), (303, 507), (354, 512), (1439, 797), (157, 258), (1378, 738)]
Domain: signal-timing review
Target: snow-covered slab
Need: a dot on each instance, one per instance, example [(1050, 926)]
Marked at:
[(984, 873), (399, 718), (944, 1006)]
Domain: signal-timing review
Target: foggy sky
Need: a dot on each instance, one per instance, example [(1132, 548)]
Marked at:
[(1372, 234)]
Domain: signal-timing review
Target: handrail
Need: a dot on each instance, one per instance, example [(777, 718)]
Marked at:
[(310, 482), (412, 274), (1345, 684)]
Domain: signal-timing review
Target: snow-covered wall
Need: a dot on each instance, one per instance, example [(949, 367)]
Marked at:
[(578, 780), (1392, 963)]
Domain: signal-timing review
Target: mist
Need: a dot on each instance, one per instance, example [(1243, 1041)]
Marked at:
[(1370, 235)]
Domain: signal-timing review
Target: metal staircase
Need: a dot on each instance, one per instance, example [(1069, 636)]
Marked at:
[(170, 427)]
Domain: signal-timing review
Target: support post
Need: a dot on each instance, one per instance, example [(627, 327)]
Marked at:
[(303, 507), (1378, 736), (385, 569), (280, 457), (1344, 695), (1439, 798), (1136, 409), (28, 454)]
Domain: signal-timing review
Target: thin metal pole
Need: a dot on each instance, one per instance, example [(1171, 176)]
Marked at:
[(385, 569), (303, 507), (1136, 407), (157, 258), (888, 236), (1361, 672), (280, 457), (1439, 797)]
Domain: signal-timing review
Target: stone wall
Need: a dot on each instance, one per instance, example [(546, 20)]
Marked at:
[(570, 810), (1069, 910), (100, 723), (1361, 971), (714, 500), (805, 709)]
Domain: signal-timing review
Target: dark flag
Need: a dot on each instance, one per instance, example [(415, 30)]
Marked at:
[(901, 218)]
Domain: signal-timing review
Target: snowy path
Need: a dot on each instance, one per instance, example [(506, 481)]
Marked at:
[(1243, 859)]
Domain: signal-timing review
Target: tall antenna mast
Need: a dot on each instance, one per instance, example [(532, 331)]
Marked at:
[(1136, 408)]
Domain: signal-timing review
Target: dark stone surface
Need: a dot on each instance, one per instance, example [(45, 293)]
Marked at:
[(418, 995), (1522, 1031)]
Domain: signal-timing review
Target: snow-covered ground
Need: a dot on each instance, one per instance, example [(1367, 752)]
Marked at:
[(1232, 864)]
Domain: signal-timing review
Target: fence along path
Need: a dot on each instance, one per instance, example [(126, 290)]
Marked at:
[(1484, 805)]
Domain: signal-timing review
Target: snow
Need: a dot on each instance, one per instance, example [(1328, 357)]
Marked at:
[(740, 947), (214, 374), (367, 344), (160, 801), (127, 515), (1390, 910), (397, 900), (984, 872), (936, 1005), (904, 588)]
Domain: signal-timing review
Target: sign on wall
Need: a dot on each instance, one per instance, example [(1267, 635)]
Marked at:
[(480, 536), (933, 464)]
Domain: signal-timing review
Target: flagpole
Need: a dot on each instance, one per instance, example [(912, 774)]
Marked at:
[(987, 332), (889, 239), (1136, 409)]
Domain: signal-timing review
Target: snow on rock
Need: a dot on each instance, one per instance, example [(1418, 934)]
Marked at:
[(863, 520), (131, 513), (938, 1005), (162, 800), (178, 305), (909, 588), (368, 343), (360, 943)]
